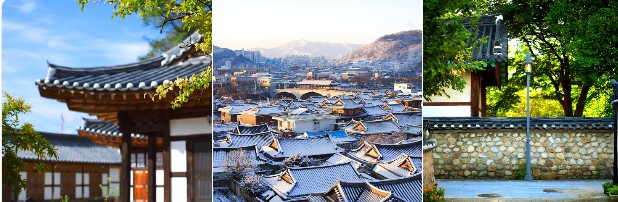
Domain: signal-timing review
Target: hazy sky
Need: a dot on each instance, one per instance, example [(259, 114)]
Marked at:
[(268, 23), (36, 31)]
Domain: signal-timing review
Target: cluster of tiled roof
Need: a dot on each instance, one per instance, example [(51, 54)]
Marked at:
[(144, 75), (375, 153), (400, 189), (473, 123), (302, 181), (313, 146), (74, 149)]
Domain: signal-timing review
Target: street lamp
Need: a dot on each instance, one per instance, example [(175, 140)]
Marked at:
[(528, 65)]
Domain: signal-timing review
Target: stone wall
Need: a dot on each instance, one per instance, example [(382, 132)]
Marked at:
[(499, 154)]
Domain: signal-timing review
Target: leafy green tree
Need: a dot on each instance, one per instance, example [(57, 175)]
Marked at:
[(20, 137), (573, 44), (193, 15), (446, 56)]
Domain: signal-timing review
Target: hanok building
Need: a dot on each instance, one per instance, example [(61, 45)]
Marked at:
[(347, 108), (351, 192), (123, 95), (298, 183), (472, 100), (78, 171), (316, 147), (372, 127), (259, 115), (230, 113), (379, 153)]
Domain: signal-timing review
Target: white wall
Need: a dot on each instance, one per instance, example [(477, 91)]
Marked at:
[(179, 189), (309, 126), (178, 156), (190, 126), (455, 96), (446, 111)]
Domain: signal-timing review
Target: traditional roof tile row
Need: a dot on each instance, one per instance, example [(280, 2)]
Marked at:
[(472, 123), (74, 149)]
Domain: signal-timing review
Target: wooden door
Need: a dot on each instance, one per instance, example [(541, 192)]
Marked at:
[(140, 185)]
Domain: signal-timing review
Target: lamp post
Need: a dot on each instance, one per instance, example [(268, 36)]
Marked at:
[(528, 65)]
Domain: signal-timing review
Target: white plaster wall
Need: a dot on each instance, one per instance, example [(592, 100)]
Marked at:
[(178, 156), (456, 96), (190, 126), (160, 192), (446, 111), (179, 188)]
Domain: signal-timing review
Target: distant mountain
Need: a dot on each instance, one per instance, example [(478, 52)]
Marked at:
[(304, 47), (220, 55), (404, 46)]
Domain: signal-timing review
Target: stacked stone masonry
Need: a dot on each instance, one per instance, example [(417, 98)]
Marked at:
[(556, 154)]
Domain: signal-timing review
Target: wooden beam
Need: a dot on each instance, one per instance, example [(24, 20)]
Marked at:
[(474, 94), (125, 175), (167, 166), (152, 168)]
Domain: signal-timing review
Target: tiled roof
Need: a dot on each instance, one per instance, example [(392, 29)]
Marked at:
[(375, 153), (396, 107), (374, 127), (407, 118), (352, 192), (236, 109), (402, 166), (236, 140), (318, 99), (492, 27), (375, 111), (339, 158), (320, 145), (392, 151), (306, 180), (473, 123), (249, 129), (143, 75), (266, 110), (224, 128), (306, 117), (407, 189), (74, 149), (219, 154), (346, 104), (103, 128)]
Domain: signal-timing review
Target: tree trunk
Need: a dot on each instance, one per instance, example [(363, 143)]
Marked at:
[(567, 101), (581, 101)]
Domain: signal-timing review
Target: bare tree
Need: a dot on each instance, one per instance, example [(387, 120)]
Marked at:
[(239, 162), (384, 138), (297, 160)]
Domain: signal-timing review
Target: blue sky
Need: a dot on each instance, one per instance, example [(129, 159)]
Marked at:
[(34, 32), (241, 24)]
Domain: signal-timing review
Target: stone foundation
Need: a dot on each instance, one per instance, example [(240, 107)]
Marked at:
[(483, 154)]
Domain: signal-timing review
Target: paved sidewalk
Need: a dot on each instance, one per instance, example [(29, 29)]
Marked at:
[(538, 190)]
